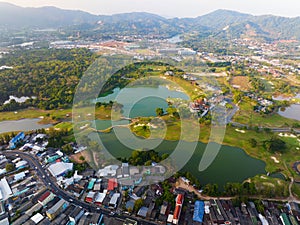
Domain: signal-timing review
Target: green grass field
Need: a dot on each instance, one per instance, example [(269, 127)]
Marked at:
[(49, 116), (246, 115)]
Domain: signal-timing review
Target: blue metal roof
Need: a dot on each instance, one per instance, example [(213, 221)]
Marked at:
[(19, 136), (198, 211)]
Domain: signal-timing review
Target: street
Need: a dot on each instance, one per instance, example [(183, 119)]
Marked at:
[(51, 185)]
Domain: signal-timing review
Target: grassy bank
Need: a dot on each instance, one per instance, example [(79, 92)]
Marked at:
[(47, 116), (275, 162), (246, 115)]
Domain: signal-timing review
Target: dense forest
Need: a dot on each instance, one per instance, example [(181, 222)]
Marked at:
[(50, 75)]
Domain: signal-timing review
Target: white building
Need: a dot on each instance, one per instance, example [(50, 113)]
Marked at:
[(60, 169), (5, 191), (37, 218), (114, 200), (108, 171), (263, 220), (21, 164), (19, 176), (5, 221), (100, 198)]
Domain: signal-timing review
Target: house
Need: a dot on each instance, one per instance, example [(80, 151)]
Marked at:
[(91, 183), (186, 52), (170, 218), (19, 176), (129, 205), (3, 159), (45, 198), (199, 106), (178, 207), (169, 73), (114, 200), (284, 219), (96, 219), (150, 209), (37, 218), (76, 214), (143, 212), (55, 210), (133, 170), (108, 171), (76, 176), (164, 208), (21, 164), (52, 158), (97, 185), (112, 184), (100, 198), (263, 220), (130, 222), (76, 190), (14, 141), (90, 197), (125, 169)]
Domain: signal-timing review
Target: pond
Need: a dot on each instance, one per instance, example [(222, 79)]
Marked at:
[(291, 112), (142, 101), (21, 125), (231, 165)]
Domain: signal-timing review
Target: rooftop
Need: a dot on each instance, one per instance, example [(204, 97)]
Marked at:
[(5, 191), (44, 196), (37, 218), (143, 211), (57, 206), (59, 168)]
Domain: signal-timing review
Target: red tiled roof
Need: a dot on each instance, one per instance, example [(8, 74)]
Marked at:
[(88, 199), (44, 196), (179, 199), (177, 212), (112, 184)]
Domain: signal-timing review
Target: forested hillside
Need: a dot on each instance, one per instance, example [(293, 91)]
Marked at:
[(48, 74)]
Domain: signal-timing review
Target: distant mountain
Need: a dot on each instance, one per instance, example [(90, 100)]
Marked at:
[(236, 25), (12, 16), (219, 19), (138, 23), (279, 27), (220, 23)]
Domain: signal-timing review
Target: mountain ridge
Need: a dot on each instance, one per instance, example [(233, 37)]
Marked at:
[(240, 24)]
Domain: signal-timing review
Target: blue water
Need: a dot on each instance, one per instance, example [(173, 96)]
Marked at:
[(142, 101)]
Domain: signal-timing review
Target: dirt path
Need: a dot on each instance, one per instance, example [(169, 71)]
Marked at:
[(190, 188)]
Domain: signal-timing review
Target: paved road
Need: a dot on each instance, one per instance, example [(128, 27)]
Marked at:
[(50, 184)]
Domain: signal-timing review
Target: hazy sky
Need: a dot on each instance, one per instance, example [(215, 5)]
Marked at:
[(172, 8)]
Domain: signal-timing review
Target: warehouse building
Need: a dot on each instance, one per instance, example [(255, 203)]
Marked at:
[(5, 191), (60, 169)]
